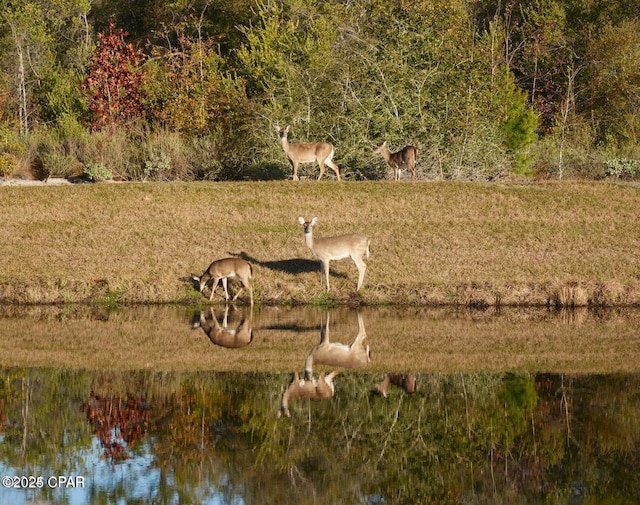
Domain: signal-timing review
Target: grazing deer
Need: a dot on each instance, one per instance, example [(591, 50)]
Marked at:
[(322, 152), (227, 268), (336, 248), (407, 382), (320, 389), (356, 355), (405, 156), (223, 335)]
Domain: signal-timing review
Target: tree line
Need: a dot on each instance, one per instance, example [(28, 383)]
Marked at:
[(164, 90)]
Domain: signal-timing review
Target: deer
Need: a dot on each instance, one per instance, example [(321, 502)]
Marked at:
[(231, 337), (322, 152), (405, 156), (316, 389), (356, 355), (407, 382), (327, 249), (225, 269)]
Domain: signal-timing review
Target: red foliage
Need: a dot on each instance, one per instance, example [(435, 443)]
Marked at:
[(113, 85), (118, 424)]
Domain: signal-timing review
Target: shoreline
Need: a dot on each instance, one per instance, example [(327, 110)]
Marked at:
[(478, 245), (464, 297)]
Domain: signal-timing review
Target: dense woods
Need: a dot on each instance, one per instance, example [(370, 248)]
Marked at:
[(163, 90)]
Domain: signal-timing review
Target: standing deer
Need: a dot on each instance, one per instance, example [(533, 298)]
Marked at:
[(227, 268), (224, 335), (334, 354), (336, 248), (405, 156), (322, 152)]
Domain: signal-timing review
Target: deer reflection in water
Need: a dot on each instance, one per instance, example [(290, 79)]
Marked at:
[(328, 353), (319, 389), (234, 336), (408, 382)]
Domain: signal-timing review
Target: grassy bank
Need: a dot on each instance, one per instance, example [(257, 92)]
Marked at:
[(568, 243)]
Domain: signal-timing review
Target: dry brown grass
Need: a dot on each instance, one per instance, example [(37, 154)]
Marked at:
[(568, 243)]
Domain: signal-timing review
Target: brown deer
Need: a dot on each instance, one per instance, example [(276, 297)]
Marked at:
[(407, 382), (336, 248), (356, 355), (322, 152), (405, 156), (320, 389), (223, 335), (227, 268)]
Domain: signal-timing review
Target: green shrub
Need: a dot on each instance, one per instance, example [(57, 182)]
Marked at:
[(97, 172), (203, 153), (621, 167)]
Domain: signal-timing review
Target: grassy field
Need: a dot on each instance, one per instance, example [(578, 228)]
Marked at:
[(432, 243)]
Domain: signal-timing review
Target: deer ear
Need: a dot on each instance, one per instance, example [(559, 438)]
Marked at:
[(277, 128), (300, 220), (286, 130), (384, 143), (314, 221)]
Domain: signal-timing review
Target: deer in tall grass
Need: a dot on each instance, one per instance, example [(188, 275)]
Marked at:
[(322, 152), (225, 269), (327, 249), (405, 156)]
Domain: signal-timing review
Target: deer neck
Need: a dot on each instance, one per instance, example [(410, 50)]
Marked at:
[(204, 279), (308, 239), (285, 144), (386, 154)]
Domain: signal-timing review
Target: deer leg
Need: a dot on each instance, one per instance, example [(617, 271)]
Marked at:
[(225, 281), (237, 294), (294, 165), (213, 287), (321, 273), (250, 288), (362, 267), (325, 267), (246, 284), (383, 387), (335, 168), (321, 169)]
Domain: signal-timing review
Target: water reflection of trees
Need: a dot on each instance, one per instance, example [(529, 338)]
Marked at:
[(118, 423), (483, 438)]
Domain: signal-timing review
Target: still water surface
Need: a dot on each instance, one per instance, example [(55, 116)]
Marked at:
[(264, 420)]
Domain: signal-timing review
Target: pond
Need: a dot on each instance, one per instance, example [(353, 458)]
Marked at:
[(171, 405)]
